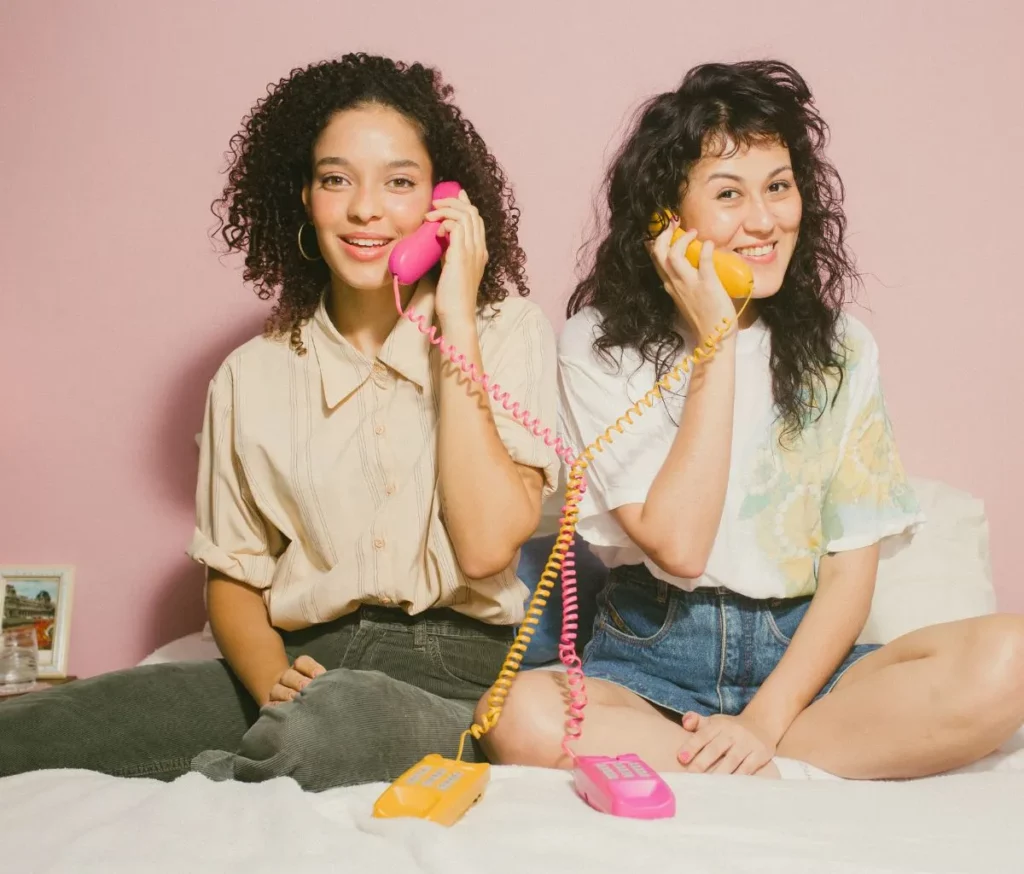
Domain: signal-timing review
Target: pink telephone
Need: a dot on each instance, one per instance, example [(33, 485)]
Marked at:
[(414, 255), (623, 786)]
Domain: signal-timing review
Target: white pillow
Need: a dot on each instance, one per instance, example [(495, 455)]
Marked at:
[(192, 647), (943, 574)]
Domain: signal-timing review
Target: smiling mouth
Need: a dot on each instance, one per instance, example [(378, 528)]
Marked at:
[(756, 251), (365, 242)]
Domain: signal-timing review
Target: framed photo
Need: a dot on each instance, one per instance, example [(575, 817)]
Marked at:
[(39, 596)]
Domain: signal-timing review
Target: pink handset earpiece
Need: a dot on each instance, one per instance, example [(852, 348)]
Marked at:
[(416, 254)]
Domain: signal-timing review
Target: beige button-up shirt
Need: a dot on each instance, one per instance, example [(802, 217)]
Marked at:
[(318, 474)]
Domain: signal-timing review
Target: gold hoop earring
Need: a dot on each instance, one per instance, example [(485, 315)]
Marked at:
[(302, 251)]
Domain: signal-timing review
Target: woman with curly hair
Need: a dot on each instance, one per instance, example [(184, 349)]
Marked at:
[(742, 517), (360, 503)]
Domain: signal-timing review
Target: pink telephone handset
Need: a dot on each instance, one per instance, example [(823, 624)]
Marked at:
[(623, 786), (414, 255)]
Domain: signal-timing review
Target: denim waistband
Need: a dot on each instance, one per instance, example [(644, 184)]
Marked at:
[(640, 575), (438, 620)]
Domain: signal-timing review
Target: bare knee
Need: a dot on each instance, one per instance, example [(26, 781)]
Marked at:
[(995, 656), (529, 729)]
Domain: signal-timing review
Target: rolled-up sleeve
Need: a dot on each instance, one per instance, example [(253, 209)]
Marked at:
[(526, 368), (231, 535)]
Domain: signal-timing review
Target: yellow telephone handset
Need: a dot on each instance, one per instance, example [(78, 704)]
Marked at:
[(735, 273)]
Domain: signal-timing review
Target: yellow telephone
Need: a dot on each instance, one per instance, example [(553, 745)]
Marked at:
[(435, 788), (735, 273), (442, 790)]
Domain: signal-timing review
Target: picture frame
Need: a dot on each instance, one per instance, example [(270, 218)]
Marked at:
[(41, 595)]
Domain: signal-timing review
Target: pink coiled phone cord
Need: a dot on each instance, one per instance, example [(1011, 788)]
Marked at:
[(570, 615)]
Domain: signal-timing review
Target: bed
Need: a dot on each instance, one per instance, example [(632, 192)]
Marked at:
[(530, 819)]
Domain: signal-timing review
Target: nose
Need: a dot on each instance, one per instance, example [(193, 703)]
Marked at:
[(759, 218), (365, 205)]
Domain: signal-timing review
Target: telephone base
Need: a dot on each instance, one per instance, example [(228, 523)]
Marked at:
[(623, 786), (435, 788)]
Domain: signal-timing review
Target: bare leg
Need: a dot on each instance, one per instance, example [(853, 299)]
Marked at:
[(932, 700), (616, 721)]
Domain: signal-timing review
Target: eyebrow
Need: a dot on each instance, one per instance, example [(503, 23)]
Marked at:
[(736, 178), (392, 165)]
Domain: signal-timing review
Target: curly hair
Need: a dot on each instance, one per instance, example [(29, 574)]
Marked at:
[(742, 104), (261, 210)]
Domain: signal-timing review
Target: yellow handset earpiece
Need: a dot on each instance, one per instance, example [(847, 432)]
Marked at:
[(735, 274)]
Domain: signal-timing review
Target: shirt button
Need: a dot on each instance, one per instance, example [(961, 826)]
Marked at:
[(379, 429), (378, 543), (390, 489)]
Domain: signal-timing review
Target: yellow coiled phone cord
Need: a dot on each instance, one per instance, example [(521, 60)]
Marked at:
[(567, 530)]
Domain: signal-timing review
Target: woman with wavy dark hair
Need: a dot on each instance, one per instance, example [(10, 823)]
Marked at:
[(742, 516), (360, 504)]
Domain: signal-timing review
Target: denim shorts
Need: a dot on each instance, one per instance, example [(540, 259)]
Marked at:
[(708, 651), (590, 577)]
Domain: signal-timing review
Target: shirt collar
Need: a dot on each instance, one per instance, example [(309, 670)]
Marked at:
[(407, 348), (343, 368)]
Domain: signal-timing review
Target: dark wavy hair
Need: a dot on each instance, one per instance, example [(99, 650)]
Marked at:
[(261, 208), (743, 104)]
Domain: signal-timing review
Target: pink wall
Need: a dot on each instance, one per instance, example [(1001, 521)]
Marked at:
[(115, 311)]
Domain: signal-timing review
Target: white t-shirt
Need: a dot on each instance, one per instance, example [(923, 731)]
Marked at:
[(839, 485)]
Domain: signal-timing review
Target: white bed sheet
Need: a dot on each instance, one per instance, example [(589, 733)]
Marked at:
[(52, 822)]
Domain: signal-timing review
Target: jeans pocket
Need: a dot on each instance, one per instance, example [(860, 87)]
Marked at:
[(783, 616), (640, 613), (471, 664)]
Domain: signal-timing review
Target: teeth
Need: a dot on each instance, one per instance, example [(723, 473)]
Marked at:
[(754, 251), (367, 244)]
